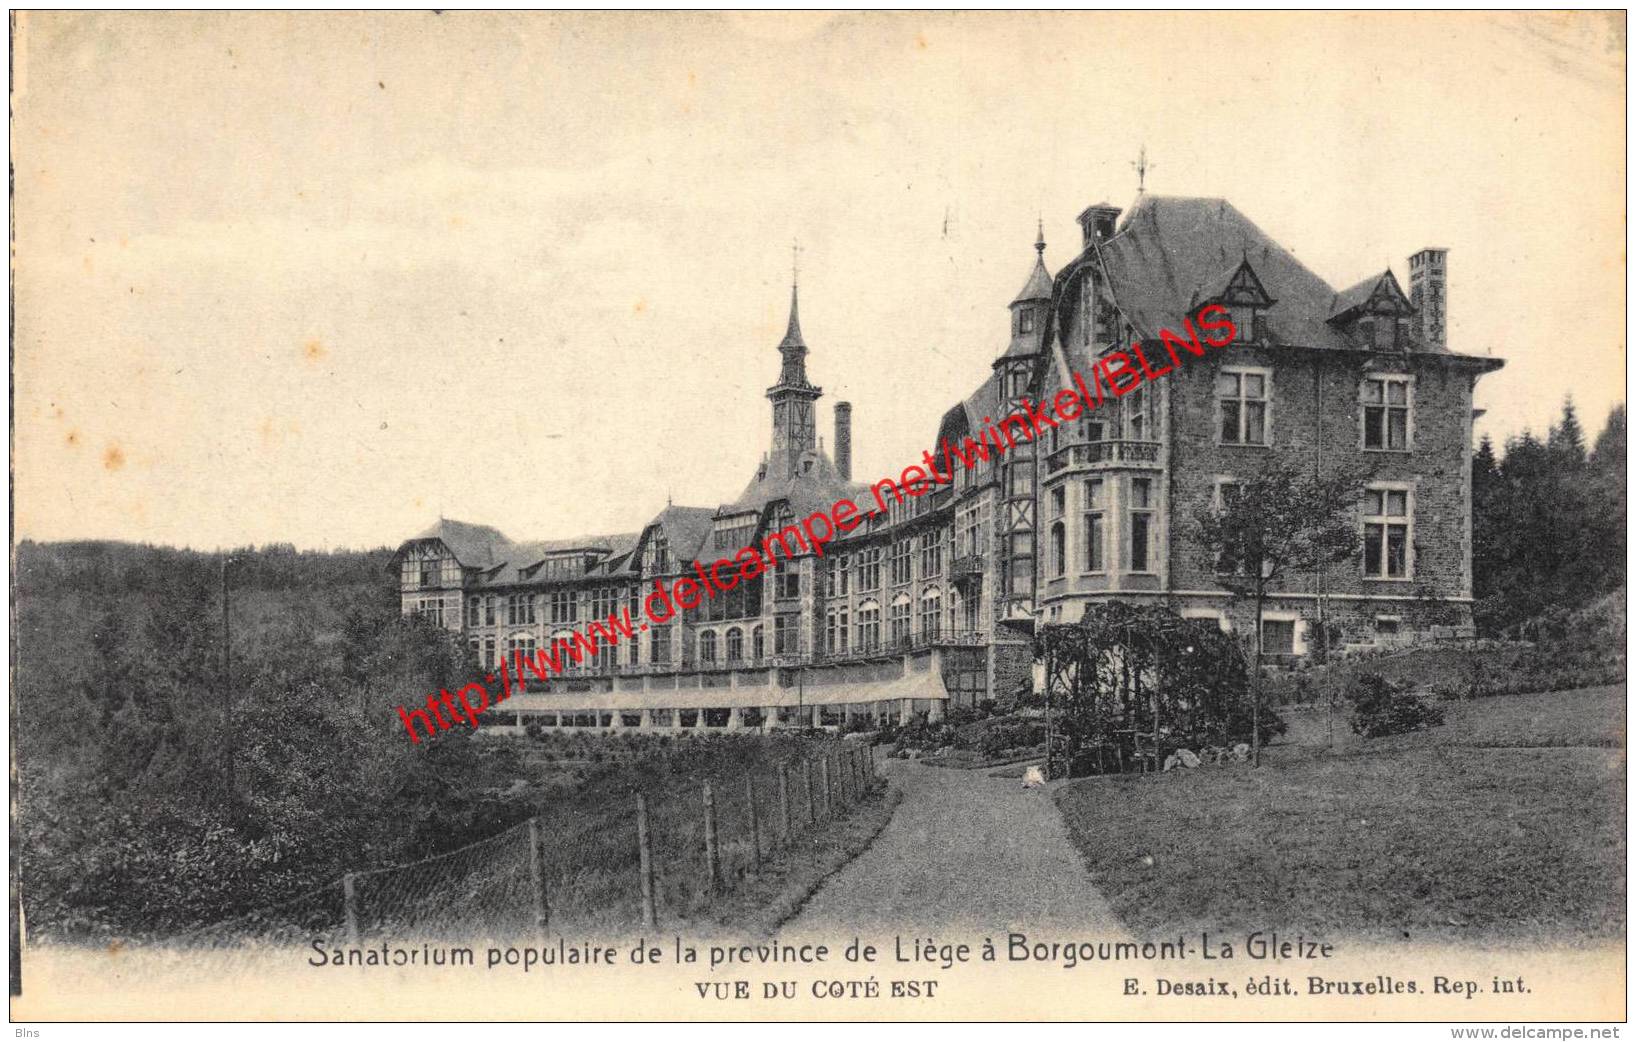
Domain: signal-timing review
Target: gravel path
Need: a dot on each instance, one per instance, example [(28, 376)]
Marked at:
[(963, 851)]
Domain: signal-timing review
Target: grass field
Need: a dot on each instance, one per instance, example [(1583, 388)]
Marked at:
[(1504, 825)]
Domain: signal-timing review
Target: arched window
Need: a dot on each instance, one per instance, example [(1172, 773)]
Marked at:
[(758, 646), (899, 623), (868, 626), (1059, 550), (707, 646), (931, 612), (735, 645)]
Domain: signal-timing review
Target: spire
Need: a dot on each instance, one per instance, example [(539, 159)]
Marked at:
[(792, 335), (1038, 286)]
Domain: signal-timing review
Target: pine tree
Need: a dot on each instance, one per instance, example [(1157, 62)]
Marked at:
[(1567, 438)]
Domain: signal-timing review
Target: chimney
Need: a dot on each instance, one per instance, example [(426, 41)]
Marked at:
[(1097, 222), (1428, 280), (843, 439)]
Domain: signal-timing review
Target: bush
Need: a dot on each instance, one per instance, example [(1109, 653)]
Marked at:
[(1380, 709)]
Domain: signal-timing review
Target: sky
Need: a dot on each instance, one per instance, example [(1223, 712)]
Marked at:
[(324, 278)]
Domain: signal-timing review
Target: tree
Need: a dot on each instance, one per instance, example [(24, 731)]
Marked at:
[(1278, 524), (1567, 438)]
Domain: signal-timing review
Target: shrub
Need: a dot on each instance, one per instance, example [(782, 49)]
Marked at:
[(1380, 709)]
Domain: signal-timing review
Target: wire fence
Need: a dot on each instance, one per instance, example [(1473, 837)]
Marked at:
[(665, 855)]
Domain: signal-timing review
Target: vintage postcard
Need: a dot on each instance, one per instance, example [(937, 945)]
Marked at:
[(832, 516)]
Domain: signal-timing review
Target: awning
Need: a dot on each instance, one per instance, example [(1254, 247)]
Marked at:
[(923, 685)]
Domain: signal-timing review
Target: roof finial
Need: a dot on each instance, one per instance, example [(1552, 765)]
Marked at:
[(1141, 166), (1039, 240), (795, 262)]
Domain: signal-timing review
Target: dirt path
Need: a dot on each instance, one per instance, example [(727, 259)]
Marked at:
[(964, 851)]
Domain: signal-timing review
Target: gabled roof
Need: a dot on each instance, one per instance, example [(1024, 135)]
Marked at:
[(501, 561), (1377, 293), (1171, 252)]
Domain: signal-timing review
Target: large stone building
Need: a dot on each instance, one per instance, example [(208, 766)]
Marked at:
[(934, 600)]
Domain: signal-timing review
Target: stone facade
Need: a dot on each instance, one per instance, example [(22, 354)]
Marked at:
[(932, 601)]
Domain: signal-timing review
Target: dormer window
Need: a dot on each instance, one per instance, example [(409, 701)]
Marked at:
[(1244, 320), (1025, 320)]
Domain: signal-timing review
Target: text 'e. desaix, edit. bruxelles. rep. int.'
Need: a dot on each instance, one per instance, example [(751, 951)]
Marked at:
[(1114, 375)]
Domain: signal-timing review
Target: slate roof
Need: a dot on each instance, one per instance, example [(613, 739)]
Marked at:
[(503, 560), (1172, 252)]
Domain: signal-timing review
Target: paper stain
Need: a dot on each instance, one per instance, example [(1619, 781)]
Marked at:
[(314, 350), (73, 439), (920, 41), (113, 458), (639, 307)]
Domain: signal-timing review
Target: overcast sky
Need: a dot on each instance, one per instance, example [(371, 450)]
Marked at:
[(322, 278)]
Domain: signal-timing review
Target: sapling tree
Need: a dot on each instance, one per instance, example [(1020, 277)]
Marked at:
[(1279, 523)]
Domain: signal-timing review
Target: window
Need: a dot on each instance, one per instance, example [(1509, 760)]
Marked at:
[(931, 555), (758, 646), (564, 606), (1387, 625), (520, 642), (659, 644), (868, 626), (971, 532), (602, 602), (837, 576), (1059, 501), (1386, 413), (490, 603), (1241, 397), (707, 647), (488, 652), (474, 611), (868, 570), (835, 631), (1226, 489), (1021, 479), (973, 609), (428, 574), (1095, 525), (1092, 430), (1278, 636), (735, 645), (560, 645), (786, 634), (1387, 522), (1025, 320), (1135, 408), (903, 563), (519, 609), (1059, 549), (1244, 319), (900, 621), (788, 584), (1141, 523), (931, 613)]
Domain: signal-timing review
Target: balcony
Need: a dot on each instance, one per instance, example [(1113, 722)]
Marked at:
[(966, 566), (1105, 454)]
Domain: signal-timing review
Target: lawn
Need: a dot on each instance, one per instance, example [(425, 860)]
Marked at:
[(1504, 825)]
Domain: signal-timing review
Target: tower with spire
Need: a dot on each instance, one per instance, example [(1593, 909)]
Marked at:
[(794, 431), (1015, 372)]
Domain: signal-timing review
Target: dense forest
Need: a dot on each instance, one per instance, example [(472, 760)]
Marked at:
[(157, 793), (160, 787), (1548, 521)]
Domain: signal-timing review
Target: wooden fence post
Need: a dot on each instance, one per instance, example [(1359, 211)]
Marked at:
[(755, 821), (712, 856), (349, 900), (645, 856), (829, 790), (536, 873), (812, 807), (784, 799)]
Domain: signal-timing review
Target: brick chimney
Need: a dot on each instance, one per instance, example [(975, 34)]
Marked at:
[(1098, 223), (843, 439), (1428, 282)]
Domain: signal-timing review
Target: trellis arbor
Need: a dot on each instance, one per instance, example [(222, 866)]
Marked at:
[(1128, 685)]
